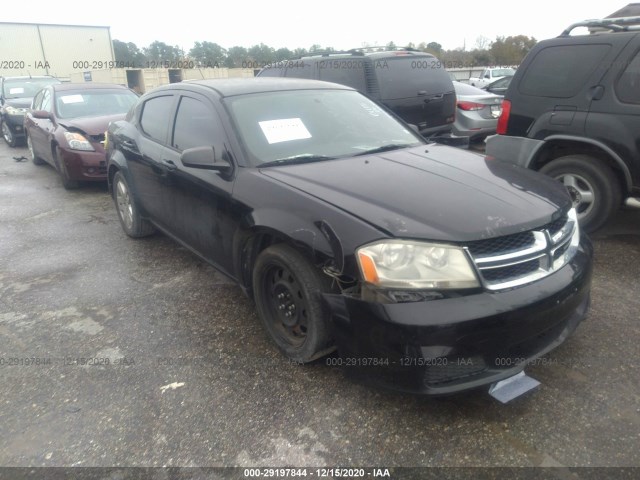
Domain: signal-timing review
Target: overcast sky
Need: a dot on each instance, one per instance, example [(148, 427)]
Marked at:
[(341, 24)]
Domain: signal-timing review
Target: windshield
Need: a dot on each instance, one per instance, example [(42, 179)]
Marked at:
[(94, 103), (25, 87), (312, 125), (503, 72)]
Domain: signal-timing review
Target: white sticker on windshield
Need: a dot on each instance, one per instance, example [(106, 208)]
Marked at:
[(284, 130), (16, 90), (72, 99)]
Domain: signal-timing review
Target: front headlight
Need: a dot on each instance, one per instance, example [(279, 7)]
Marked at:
[(15, 111), (573, 244), (77, 141), (407, 264)]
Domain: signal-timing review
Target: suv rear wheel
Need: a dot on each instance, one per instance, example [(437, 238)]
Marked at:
[(594, 188)]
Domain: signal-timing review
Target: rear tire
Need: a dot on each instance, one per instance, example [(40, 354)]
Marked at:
[(594, 188), (132, 223), (287, 291)]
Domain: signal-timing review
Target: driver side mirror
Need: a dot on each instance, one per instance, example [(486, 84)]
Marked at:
[(42, 114), (205, 158)]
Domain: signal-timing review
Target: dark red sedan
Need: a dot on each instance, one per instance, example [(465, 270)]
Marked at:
[(65, 128)]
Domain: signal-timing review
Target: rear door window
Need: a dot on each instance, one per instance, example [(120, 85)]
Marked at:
[(156, 117), (406, 76), (562, 71), (628, 85)]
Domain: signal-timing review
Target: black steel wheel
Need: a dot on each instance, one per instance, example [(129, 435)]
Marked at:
[(287, 290)]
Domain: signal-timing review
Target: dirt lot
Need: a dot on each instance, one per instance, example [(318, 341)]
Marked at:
[(185, 375)]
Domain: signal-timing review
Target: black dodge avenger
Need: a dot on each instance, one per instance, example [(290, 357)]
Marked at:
[(429, 269)]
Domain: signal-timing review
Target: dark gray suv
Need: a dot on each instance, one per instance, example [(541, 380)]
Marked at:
[(412, 84), (572, 111)]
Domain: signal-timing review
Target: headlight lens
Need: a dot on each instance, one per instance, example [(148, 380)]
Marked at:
[(77, 141), (415, 265), (574, 243), (15, 111)]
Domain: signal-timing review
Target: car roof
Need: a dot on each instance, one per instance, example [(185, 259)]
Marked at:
[(60, 87), (227, 87)]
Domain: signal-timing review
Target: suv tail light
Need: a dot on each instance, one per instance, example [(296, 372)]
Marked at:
[(503, 121), (470, 106)]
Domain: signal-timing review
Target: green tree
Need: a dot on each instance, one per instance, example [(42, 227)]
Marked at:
[(283, 54), (300, 52), (128, 53), (161, 52), (208, 53), (511, 50), (236, 56), (261, 54), (435, 48)]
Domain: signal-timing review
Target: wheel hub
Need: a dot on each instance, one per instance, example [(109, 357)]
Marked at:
[(286, 306), (580, 190), (576, 198)]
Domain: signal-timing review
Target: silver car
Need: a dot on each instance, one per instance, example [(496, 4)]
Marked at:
[(477, 112)]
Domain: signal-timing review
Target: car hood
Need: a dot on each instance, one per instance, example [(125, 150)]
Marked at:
[(91, 125), (432, 192), (24, 102)]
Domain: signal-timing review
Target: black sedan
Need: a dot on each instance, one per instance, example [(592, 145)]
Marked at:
[(428, 268)]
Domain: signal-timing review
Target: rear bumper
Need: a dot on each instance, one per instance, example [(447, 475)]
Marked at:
[(450, 345), (474, 127)]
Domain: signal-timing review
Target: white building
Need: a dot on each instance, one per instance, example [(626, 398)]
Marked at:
[(58, 50)]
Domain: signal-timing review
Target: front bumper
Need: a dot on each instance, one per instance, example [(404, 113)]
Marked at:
[(85, 166), (450, 345)]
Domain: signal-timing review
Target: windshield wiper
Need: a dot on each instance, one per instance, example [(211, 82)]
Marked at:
[(385, 148), (296, 159)]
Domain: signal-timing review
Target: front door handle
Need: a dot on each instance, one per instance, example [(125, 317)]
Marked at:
[(169, 165)]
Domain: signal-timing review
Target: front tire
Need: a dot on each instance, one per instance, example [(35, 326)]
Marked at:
[(34, 158), (67, 182), (132, 223), (594, 188), (7, 134), (287, 291)]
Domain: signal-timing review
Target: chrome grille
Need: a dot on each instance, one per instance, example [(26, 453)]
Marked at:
[(513, 260)]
